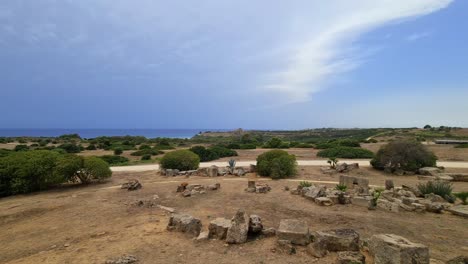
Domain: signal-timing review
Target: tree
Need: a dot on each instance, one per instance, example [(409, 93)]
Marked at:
[(427, 127), (82, 169), (118, 151), (181, 160), (406, 155)]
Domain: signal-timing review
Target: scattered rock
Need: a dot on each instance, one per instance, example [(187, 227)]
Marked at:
[(214, 187), (255, 224), (350, 257), (389, 184), (344, 167), (168, 209), (460, 210), (393, 249), (253, 168), (458, 260), (359, 185), (251, 187), (361, 200), (212, 171), (239, 171), (293, 230), (334, 241), (237, 233), (388, 205), (186, 193), (286, 246), (131, 185), (218, 228), (262, 188), (429, 171), (203, 236), (458, 177), (184, 223), (324, 201), (314, 192), (125, 259), (434, 198), (268, 232), (182, 187)]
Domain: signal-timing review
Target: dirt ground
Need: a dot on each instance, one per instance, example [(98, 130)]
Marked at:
[(90, 224)]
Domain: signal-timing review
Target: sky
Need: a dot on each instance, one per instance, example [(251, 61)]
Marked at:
[(264, 64)]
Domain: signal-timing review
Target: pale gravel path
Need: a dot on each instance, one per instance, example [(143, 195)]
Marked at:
[(363, 163)]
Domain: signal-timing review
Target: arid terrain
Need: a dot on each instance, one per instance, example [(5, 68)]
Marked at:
[(90, 224)]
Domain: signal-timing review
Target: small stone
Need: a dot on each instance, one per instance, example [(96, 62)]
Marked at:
[(323, 201), (268, 232), (203, 236), (350, 257), (286, 246), (389, 184), (255, 224), (125, 259), (66, 245)]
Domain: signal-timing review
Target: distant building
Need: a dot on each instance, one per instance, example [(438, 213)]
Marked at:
[(451, 141)]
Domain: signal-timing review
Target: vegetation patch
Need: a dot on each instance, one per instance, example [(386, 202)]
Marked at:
[(114, 160), (441, 188), (212, 153), (180, 159), (346, 152), (276, 164)]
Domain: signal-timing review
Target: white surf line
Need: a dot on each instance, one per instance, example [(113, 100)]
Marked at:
[(362, 163)]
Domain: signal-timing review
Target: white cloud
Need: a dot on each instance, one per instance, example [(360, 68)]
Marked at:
[(417, 36), (327, 52)]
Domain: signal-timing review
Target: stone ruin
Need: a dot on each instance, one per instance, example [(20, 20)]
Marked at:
[(322, 195), (435, 173), (188, 190), (254, 187), (340, 168), (131, 185), (213, 171)]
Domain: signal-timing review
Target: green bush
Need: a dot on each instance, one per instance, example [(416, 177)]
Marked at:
[(276, 164), (441, 188), (83, 169), (338, 143), (346, 152), (146, 157), (274, 143), (180, 159), (21, 147), (212, 153), (462, 146), (118, 151), (5, 152), (151, 152), (113, 160), (463, 196), (70, 148), (144, 147), (248, 146), (91, 147), (305, 184), (403, 155), (28, 171)]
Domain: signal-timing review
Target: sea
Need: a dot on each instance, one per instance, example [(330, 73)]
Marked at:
[(93, 133)]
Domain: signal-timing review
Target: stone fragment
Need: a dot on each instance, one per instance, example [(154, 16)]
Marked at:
[(212, 171), (458, 260), (165, 208), (460, 210), (253, 168), (262, 188), (314, 192), (286, 246), (202, 172), (131, 185), (203, 236), (268, 232), (125, 259), (293, 230), (361, 200), (350, 257), (239, 229), (323, 201), (389, 184), (214, 187), (359, 185), (239, 171), (429, 171), (393, 249), (218, 228), (186, 193), (334, 241), (255, 224), (184, 223), (434, 198), (388, 206)]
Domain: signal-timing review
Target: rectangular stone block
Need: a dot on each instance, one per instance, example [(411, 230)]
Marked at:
[(295, 231), (393, 249)]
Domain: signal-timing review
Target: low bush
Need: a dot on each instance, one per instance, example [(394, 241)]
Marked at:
[(118, 151), (338, 143), (346, 152), (181, 160), (5, 152), (441, 188), (305, 184), (70, 148), (403, 155), (144, 147), (114, 160), (212, 153), (146, 157), (21, 148), (82, 169), (91, 147), (248, 146), (462, 146), (275, 143), (151, 152), (276, 164), (463, 196)]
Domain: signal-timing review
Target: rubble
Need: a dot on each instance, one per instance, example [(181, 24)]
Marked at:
[(389, 249), (218, 228), (350, 257), (295, 231), (257, 187), (359, 185), (334, 241), (184, 223), (237, 232), (125, 259), (255, 224), (131, 185)]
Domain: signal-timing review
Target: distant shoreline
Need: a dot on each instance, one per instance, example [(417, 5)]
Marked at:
[(93, 133)]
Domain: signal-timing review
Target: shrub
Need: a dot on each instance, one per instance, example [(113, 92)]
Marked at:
[(151, 152), (248, 146), (232, 164), (346, 152), (21, 148), (441, 188), (276, 164), (341, 187), (146, 157), (28, 171), (118, 151), (144, 147), (233, 146), (274, 143), (462, 146), (332, 161), (181, 160), (403, 155), (338, 143), (91, 147), (463, 196), (305, 184), (113, 160), (212, 153), (4, 152), (83, 169), (70, 148)]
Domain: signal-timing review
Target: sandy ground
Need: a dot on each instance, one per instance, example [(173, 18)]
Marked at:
[(89, 224)]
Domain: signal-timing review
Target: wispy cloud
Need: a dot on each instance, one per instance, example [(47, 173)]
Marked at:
[(417, 36), (328, 52)]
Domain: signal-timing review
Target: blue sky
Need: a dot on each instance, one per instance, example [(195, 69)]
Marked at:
[(228, 64)]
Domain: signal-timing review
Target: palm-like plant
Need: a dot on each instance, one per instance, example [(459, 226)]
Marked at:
[(332, 162)]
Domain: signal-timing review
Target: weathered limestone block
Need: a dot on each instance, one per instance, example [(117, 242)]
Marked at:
[(293, 230), (184, 223), (393, 249), (212, 171), (429, 171), (218, 228), (323, 201), (388, 206), (334, 241), (350, 257), (239, 229), (255, 224)]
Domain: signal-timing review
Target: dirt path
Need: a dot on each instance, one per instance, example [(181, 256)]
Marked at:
[(362, 163)]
